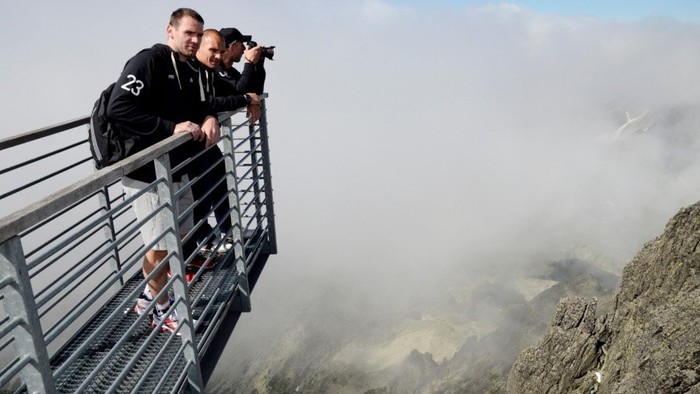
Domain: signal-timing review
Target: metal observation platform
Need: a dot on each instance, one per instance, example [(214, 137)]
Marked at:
[(71, 256)]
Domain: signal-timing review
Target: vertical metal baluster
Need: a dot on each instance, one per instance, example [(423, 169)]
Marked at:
[(236, 228), (111, 235), (269, 207), (177, 268), (19, 303), (255, 174)]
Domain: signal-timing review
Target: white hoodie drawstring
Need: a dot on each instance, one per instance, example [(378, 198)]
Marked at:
[(201, 89), (177, 74), (202, 97)]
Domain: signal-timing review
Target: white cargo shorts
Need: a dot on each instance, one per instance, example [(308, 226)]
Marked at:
[(148, 202)]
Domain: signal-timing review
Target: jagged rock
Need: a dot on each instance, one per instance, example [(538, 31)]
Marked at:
[(568, 350), (482, 364), (654, 330), (648, 343)]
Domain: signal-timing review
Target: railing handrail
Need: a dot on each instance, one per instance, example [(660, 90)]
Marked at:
[(25, 218), (30, 215), (33, 135)]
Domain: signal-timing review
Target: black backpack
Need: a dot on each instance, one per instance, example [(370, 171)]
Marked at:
[(106, 142)]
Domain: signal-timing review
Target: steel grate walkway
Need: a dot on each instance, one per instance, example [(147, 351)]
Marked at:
[(86, 374)]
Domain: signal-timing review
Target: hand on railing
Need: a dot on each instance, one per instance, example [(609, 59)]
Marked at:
[(189, 127), (253, 110), (211, 129)]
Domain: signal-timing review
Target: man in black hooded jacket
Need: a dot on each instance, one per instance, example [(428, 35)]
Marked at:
[(232, 81), (159, 93)]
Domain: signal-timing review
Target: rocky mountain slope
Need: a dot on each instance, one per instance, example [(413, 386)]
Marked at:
[(499, 335), (465, 339), (648, 343)]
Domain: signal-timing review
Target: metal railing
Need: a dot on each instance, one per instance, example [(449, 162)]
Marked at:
[(70, 263)]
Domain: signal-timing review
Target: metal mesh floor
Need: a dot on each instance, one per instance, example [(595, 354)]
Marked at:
[(112, 357)]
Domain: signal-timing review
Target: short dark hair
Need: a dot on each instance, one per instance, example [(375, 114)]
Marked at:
[(183, 12)]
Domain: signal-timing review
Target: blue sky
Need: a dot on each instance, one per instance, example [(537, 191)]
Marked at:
[(622, 10)]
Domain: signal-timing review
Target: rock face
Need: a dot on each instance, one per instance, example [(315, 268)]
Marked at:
[(565, 354), (648, 343), (488, 324)]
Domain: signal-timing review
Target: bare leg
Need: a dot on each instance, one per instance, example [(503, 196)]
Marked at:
[(150, 262)]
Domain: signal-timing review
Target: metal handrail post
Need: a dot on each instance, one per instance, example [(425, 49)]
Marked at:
[(166, 193), (236, 222), (270, 211), (18, 302), (254, 169), (111, 235)]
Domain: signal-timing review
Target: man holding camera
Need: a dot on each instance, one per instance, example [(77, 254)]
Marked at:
[(252, 78)]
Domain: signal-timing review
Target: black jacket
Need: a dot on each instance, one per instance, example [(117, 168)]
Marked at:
[(221, 103), (154, 92), (231, 81)]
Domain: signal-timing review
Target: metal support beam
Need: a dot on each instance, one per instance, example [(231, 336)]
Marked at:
[(270, 210), (18, 301), (243, 301), (166, 193), (110, 235)]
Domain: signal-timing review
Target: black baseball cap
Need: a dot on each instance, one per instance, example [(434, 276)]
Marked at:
[(231, 35)]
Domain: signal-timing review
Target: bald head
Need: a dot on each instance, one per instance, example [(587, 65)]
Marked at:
[(211, 49)]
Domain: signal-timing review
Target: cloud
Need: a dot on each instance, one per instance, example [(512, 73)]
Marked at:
[(378, 10), (444, 139), (411, 146)]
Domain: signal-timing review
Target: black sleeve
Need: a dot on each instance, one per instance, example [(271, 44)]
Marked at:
[(221, 95), (258, 83), (252, 79), (227, 97), (131, 102), (246, 79), (225, 84), (229, 103)]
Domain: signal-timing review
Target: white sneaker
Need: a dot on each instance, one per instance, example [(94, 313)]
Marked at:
[(167, 317), (225, 245), (144, 300)]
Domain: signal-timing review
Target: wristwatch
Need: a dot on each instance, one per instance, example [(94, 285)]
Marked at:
[(248, 99)]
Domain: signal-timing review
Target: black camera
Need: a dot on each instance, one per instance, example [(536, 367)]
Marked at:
[(267, 52)]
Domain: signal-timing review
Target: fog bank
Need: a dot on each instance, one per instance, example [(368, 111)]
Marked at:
[(429, 146)]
